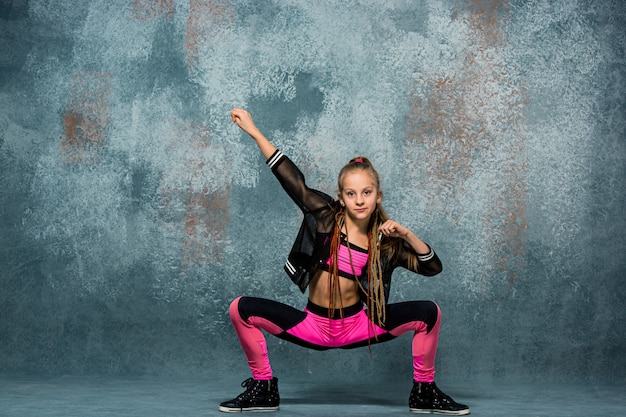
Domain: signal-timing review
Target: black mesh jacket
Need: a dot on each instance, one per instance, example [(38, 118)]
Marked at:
[(312, 246)]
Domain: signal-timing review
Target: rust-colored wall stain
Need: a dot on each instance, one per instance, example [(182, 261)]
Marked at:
[(86, 118), (206, 211), (147, 10), (469, 123), (206, 218), (206, 18)]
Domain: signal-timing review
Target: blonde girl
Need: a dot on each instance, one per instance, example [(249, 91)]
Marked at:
[(344, 254)]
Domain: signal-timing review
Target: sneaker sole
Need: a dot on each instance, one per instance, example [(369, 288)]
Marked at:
[(247, 409), (440, 412)]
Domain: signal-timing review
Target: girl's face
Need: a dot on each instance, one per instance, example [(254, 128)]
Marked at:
[(359, 194)]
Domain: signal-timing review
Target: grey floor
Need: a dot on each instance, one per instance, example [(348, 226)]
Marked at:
[(82, 396)]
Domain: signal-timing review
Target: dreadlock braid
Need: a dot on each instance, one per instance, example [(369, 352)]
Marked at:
[(376, 289), (334, 289)]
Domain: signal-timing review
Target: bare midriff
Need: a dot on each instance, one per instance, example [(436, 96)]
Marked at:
[(319, 291)]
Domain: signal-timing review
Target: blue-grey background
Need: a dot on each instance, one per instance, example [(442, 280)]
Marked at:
[(132, 211)]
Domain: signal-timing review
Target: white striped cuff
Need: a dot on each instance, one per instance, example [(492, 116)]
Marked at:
[(424, 258), (278, 155), (290, 267)]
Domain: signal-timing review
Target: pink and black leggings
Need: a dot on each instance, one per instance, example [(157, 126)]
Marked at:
[(312, 328)]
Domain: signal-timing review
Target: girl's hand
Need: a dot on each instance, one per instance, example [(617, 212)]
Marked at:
[(243, 120), (393, 229)]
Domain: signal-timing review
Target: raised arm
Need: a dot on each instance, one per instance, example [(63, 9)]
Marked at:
[(244, 121), (290, 177)]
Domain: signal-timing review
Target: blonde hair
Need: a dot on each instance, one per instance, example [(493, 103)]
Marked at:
[(375, 291)]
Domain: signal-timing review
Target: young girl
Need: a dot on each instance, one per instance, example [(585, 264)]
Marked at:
[(345, 253)]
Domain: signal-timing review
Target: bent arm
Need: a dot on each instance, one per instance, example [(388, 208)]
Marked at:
[(416, 243), (428, 263)]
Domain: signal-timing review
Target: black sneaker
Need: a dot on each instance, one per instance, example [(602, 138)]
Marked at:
[(427, 398), (258, 396)]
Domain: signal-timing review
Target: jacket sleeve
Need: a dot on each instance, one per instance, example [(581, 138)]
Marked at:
[(428, 264), (293, 182)]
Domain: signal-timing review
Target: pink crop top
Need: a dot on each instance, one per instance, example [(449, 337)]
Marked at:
[(359, 260)]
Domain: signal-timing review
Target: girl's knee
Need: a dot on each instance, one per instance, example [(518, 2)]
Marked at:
[(233, 310), (436, 308), (436, 316)]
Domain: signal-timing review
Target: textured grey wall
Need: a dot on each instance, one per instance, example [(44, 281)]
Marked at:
[(132, 210)]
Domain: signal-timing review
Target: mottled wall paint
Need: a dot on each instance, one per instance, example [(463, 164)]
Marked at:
[(470, 128), (205, 20), (132, 210), (145, 10), (86, 119)]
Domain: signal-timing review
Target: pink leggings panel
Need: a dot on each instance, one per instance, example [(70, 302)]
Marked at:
[(320, 332)]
